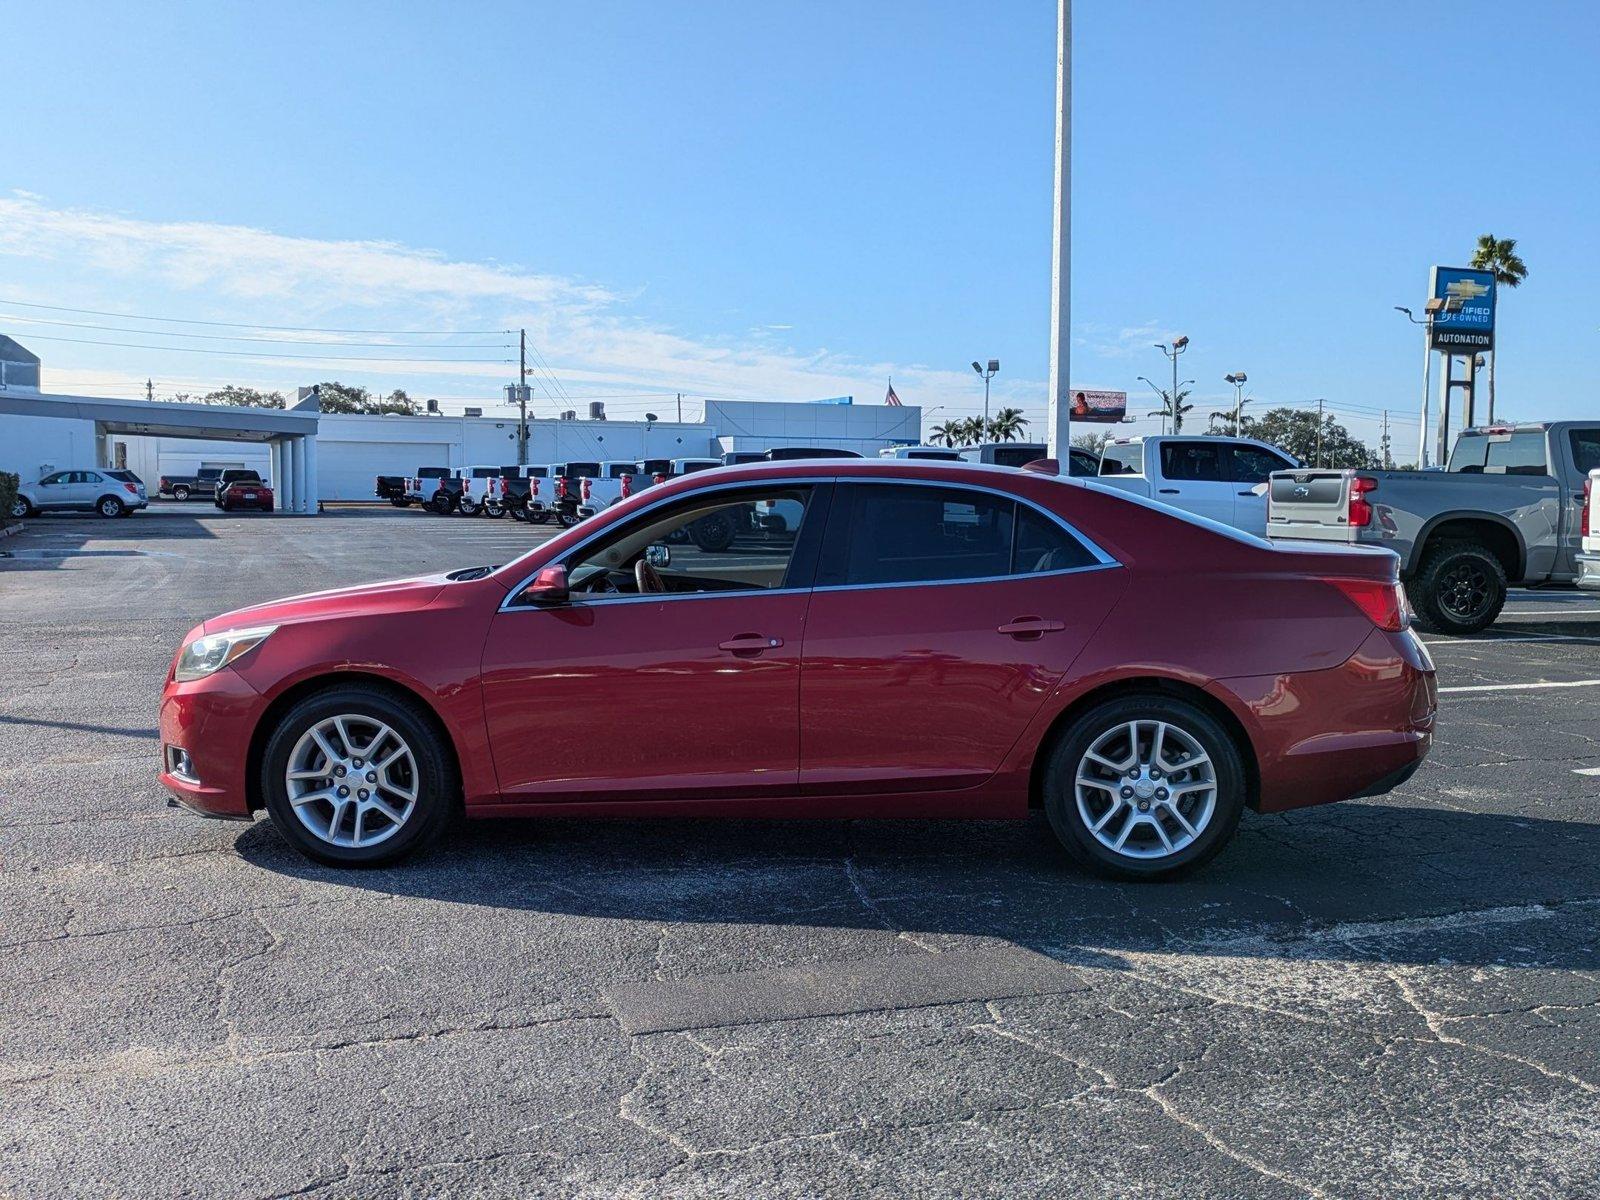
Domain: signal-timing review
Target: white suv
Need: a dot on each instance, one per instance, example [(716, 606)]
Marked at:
[(111, 493)]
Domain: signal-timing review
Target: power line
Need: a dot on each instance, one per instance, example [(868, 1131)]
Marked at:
[(239, 337), (95, 312), (263, 353)]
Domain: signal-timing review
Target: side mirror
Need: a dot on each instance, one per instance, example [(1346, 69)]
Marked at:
[(549, 586), (658, 555)]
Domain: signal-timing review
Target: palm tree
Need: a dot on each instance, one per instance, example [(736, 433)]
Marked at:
[(1500, 256), (972, 430), (1007, 425), (947, 433), (1173, 412)]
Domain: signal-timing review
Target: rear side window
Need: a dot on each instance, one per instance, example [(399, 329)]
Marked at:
[(1501, 454), (1042, 545), (1252, 464), (893, 533), (1585, 449), (1199, 461), (1122, 460)]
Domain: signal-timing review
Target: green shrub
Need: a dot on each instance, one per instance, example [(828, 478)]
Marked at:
[(8, 493)]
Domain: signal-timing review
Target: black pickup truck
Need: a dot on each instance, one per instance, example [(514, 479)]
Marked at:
[(204, 483), (393, 487)]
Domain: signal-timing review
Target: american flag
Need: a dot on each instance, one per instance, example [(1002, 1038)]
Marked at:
[(891, 399)]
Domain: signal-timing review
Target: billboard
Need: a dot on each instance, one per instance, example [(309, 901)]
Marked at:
[(1102, 407), (1470, 329)]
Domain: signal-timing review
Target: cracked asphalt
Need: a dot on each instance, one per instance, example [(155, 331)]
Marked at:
[(1395, 997)]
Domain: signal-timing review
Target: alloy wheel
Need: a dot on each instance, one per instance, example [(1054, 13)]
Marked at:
[(352, 781), (1146, 789), (1464, 591)]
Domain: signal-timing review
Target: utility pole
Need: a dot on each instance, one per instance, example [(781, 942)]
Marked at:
[(1060, 417), (680, 408), (522, 401), (1388, 463), (149, 389), (1319, 432)]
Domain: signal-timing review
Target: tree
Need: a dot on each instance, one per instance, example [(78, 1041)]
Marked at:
[(1295, 431), (1500, 256), (1094, 443), (344, 398), (1173, 413), (1007, 425), (946, 433), (243, 397)]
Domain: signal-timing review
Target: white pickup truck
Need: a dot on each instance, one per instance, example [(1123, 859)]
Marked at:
[(1224, 478), (483, 490), (1589, 555)]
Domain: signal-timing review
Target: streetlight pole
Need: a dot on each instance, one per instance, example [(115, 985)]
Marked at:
[(1238, 380), (990, 373), (1060, 413), (1178, 346)]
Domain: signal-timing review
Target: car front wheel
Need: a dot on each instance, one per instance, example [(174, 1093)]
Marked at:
[(1144, 787), (21, 508), (357, 776)]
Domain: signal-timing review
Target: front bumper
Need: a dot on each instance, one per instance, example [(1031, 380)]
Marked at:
[(1358, 729), (1589, 572), (213, 719)]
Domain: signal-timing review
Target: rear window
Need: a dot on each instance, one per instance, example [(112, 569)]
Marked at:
[(1519, 453), (1013, 456), (618, 470), (936, 455), (1125, 459), (656, 466), (538, 472), (580, 470), (122, 476), (486, 472), (689, 467)]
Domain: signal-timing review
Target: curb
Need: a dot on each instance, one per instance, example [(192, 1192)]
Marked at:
[(8, 530)]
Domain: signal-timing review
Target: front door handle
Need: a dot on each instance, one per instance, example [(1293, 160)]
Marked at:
[(1029, 628), (1249, 492), (750, 643), (1168, 491)]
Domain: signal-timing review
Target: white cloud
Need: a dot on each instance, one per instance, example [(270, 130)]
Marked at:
[(583, 330)]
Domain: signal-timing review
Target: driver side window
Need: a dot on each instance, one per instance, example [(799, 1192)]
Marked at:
[(715, 542)]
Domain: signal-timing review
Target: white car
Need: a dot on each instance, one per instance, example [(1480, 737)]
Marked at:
[(111, 493), (1589, 555), (1224, 478)]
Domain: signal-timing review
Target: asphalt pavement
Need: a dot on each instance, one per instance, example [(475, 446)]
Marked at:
[(1396, 997)]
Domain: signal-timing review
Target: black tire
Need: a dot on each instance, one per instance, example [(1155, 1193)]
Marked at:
[(180, 492), (713, 533), (468, 507), (20, 508), (438, 782), (1460, 588), (567, 518), (399, 502), (1060, 790), (442, 503), (494, 510), (540, 518), (110, 506), (519, 513)]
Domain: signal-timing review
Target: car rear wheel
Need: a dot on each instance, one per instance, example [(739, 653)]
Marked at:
[(494, 509), (110, 506), (358, 777), (180, 492), (468, 506), (1460, 588), (1144, 787)]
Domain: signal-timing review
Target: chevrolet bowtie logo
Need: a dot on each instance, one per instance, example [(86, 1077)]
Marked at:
[(1466, 289)]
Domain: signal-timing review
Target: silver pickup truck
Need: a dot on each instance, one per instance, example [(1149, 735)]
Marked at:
[(1508, 509)]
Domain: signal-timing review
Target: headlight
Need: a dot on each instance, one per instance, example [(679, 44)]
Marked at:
[(208, 655)]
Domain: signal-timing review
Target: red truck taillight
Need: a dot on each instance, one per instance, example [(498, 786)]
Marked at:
[(1360, 512), (658, 477), (586, 487), (533, 488), (627, 486), (1583, 513), (561, 487)]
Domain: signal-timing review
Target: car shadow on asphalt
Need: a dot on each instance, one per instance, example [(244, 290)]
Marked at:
[(1352, 882)]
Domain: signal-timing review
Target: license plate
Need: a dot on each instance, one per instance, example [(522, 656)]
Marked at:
[(249, 495)]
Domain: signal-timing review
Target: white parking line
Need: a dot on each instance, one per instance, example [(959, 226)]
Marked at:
[(1586, 770), (1520, 687), (1445, 643)]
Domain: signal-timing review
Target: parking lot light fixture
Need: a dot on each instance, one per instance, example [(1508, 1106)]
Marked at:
[(990, 373)]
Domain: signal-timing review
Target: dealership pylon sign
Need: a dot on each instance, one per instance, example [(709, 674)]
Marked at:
[(1465, 323)]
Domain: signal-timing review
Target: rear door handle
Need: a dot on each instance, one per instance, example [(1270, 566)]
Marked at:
[(1168, 491), (1249, 492), (1029, 628), (750, 643)]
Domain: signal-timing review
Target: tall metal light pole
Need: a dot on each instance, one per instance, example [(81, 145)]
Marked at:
[(1238, 380), (1178, 346), (1060, 417), (986, 375)]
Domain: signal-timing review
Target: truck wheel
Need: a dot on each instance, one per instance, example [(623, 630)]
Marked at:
[(493, 509), (442, 503), (713, 533), (1459, 589), (180, 492), (567, 519), (468, 506), (539, 518)]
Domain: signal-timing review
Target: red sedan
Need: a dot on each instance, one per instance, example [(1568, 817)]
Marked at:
[(244, 493), (822, 639)]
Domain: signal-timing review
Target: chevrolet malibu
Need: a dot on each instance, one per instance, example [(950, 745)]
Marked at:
[(871, 639)]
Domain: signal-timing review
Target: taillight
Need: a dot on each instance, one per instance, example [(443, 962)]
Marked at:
[(587, 486), (561, 487), (627, 486), (1583, 516), (533, 487), (131, 489), (1360, 513), (1383, 602), (658, 477)]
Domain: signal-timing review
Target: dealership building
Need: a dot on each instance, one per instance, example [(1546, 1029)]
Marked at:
[(311, 456)]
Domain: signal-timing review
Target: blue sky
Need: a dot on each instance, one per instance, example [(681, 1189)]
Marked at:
[(795, 200)]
